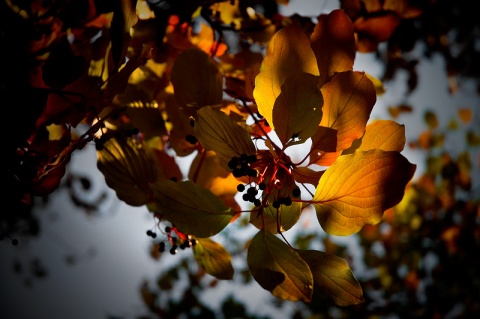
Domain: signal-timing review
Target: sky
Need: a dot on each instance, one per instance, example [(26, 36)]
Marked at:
[(111, 249)]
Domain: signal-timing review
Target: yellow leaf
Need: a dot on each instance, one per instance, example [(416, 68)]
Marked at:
[(379, 88), (298, 109), (333, 42), (214, 258), (217, 132), (358, 188), (288, 53), (386, 135)]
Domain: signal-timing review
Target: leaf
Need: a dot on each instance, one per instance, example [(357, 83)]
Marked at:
[(206, 171), (196, 80), (306, 175), (324, 139), (287, 217), (395, 111), (465, 115), (348, 101), (217, 132), (431, 119), (358, 188), (333, 42), (288, 53), (333, 278), (128, 169), (191, 208), (297, 111), (279, 269), (386, 135), (213, 257)]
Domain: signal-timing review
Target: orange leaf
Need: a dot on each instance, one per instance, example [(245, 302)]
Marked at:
[(207, 172), (465, 115), (348, 100), (288, 53), (333, 42), (358, 188)]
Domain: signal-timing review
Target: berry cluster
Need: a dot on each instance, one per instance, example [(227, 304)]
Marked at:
[(240, 165), (175, 239), (251, 193)]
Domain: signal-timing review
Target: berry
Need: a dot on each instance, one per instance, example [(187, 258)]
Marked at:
[(245, 197), (296, 192), (168, 229), (262, 186), (149, 233), (252, 172), (173, 250), (276, 204), (153, 235), (240, 187), (252, 191), (161, 247), (193, 242), (14, 242), (251, 158), (232, 164), (191, 139), (257, 202), (287, 201)]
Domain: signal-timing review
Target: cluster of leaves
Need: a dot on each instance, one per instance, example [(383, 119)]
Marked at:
[(157, 82), (305, 90), (423, 249)]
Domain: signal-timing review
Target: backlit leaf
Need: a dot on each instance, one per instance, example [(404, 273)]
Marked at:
[(333, 278), (207, 172), (128, 169), (288, 53), (278, 268), (286, 217), (214, 258), (333, 42), (298, 109), (348, 101), (217, 132), (306, 175), (191, 208), (386, 135), (196, 80), (358, 188)]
